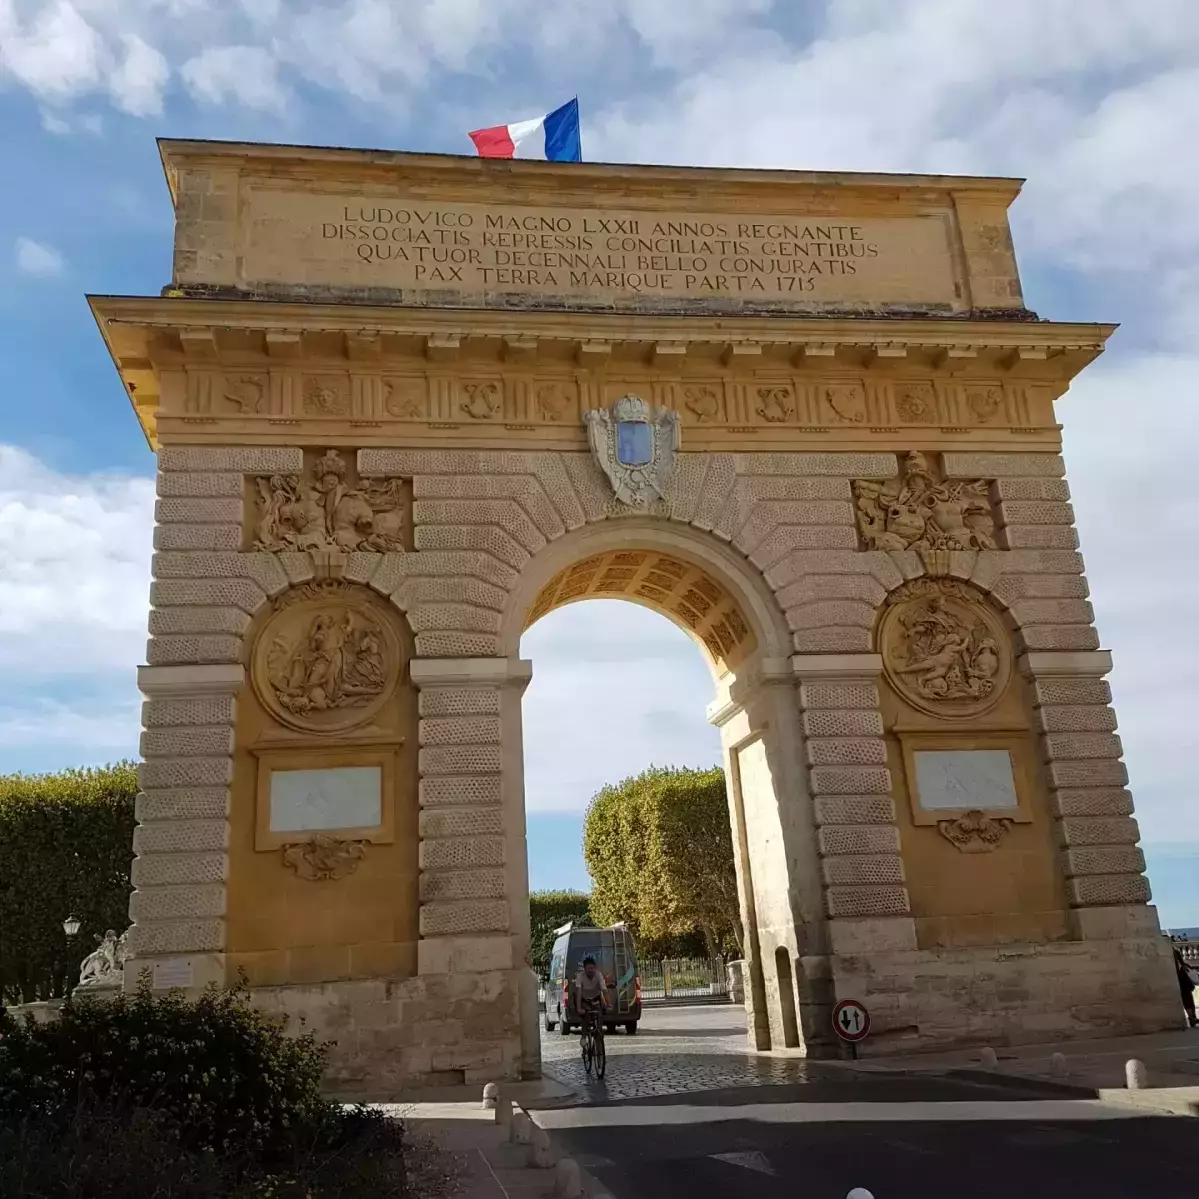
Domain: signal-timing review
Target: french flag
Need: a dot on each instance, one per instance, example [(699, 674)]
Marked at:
[(554, 137)]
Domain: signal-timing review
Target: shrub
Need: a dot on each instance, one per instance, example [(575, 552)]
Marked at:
[(65, 846), (156, 1095)]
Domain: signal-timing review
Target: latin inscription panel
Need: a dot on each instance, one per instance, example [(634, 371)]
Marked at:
[(961, 780), (475, 249)]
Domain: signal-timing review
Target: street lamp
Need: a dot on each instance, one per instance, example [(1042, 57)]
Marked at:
[(70, 925)]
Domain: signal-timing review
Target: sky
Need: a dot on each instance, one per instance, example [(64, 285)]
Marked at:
[(1096, 105)]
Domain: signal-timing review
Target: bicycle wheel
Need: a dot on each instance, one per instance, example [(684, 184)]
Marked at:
[(601, 1057), (588, 1051)]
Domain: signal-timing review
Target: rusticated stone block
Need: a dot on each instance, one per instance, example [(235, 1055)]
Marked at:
[(180, 836), (1098, 830), (239, 593), (453, 564), (844, 466), (178, 869), (1052, 537), (246, 460), (413, 592), (504, 514), (201, 485), (838, 639), (862, 870), (460, 730), (476, 790), (812, 589), (1083, 745), (1053, 611), (715, 491), (850, 780), (867, 901), (178, 903), (1059, 636), (454, 917), (425, 618), (837, 696), (462, 884), (1035, 512), (819, 723), (1092, 801), (855, 809), (831, 612), (1104, 859), (187, 741), (167, 622), (463, 538), (197, 537), (194, 803), (1076, 718), (204, 709), (360, 567), (297, 566), (802, 537), (461, 853), (1050, 690), (459, 701), (1032, 489), (177, 936), (837, 751), (453, 643), (215, 647), (185, 510), (858, 839), (390, 573), (185, 772), (1104, 890), (999, 466), (1095, 772), (461, 822), (460, 759)]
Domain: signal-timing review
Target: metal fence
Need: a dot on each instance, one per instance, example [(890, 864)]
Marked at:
[(678, 980)]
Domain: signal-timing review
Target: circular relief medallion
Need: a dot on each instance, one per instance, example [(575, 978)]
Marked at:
[(942, 650), (326, 660)]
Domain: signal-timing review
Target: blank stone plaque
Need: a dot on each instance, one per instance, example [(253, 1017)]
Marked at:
[(340, 797), (954, 780)]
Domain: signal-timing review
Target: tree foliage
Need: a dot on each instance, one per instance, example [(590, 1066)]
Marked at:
[(660, 853), (65, 847), (549, 910)]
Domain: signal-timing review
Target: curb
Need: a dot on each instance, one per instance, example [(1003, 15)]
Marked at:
[(592, 1188)]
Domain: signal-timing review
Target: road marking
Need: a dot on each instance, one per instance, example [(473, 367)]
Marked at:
[(751, 1160), (833, 1113)]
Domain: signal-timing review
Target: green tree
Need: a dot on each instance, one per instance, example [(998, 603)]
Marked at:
[(549, 910), (659, 851), (65, 847)]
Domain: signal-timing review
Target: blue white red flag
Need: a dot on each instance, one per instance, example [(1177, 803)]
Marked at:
[(554, 137)]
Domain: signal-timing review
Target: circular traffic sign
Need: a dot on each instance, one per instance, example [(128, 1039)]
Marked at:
[(851, 1020)]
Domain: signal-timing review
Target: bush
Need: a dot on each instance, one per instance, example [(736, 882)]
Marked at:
[(65, 847), (161, 1095), (549, 910)]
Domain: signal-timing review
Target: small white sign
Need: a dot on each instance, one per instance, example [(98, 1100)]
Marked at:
[(340, 797), (177, 973), (964, 780)]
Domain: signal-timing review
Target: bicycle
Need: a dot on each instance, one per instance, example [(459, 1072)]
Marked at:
[(592, 1043)]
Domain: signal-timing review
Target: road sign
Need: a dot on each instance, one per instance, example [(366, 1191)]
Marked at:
[(851, 1020)]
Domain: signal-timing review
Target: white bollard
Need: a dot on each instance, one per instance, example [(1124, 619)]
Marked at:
[(522, 1129), (503, 1112), (491, 1095), (1136, 1075), (1058, 1066), (541, 1153), (987, 1058), (859, 1193), (567, 1183)]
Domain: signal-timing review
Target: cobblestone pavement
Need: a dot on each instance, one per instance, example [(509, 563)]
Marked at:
[(676, 1050)]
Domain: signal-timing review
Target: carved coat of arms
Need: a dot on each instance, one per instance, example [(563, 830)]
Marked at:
[(635, 445)]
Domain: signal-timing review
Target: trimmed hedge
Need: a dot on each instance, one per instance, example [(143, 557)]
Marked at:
[(65, 847), (549, 910)]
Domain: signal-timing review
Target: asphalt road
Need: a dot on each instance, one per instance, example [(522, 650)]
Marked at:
[(668, 1123)]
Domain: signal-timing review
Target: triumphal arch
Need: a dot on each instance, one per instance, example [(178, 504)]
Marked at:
[(406, 404)]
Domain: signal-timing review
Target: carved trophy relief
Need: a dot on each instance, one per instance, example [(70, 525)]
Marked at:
[(321, 511), (483, 400), (553, 401), (775, 404), (974, 832), (922, 511), (943, 649), (326, 660), (985, 403), (847, 402), (702, 402), (915, 403), (245, 392), (404, 398), (326, 396), (324, 859)]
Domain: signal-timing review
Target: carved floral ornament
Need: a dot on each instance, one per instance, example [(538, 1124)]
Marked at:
[(974, 832), (943, 649), (323, 859), (321, 511), (924, 512), (326, 660)]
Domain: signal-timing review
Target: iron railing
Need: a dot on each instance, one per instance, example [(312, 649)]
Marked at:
[(676, 980)]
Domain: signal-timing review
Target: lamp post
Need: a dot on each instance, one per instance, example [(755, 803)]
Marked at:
[(70, 926)]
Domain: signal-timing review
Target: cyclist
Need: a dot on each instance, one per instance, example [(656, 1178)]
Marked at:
[(590, 992)]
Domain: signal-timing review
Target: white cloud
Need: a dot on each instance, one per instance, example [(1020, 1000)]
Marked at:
[(34, 258), (137, 83), (247, 75)]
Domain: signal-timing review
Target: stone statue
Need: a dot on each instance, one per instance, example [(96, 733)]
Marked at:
[(325, 513), (919, 512), (103, 967)]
